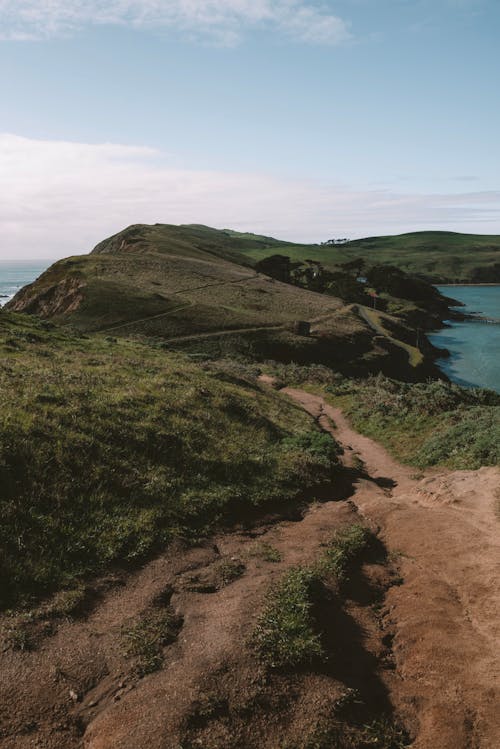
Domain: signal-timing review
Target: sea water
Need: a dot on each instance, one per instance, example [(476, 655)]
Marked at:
[(474, 346), (13, 276)]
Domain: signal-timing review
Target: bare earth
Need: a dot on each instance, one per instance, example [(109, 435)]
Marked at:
[(428, 652)]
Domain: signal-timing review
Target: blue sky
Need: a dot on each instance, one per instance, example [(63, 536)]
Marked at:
[(295, 118)]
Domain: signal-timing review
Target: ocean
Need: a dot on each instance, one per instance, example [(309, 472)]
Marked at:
[(13, 276), (474, 346)]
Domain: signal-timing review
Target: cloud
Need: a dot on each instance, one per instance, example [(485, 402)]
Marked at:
[(220, 21), (61, 198)]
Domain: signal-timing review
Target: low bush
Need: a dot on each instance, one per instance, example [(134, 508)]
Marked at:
[(433, 423)]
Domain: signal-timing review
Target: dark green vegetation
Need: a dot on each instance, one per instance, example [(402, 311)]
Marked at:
[(109, 449), (287, 635), (425, 424), (438, 256)]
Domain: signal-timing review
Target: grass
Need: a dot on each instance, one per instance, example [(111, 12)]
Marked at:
[(266, 552), (376, 321), (167, 281), (111, 448), (344, 550), (383, 733), (425, 424), (286, 635), (440, 256), (143, 641)]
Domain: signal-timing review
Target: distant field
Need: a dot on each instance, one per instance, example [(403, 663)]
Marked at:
[(439, 256)]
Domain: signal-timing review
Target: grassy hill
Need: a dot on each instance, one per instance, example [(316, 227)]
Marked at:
[(193, 288), (439, 256), (111, 448)]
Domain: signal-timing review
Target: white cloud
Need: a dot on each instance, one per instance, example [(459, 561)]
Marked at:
[(61, 198), (219, 21)]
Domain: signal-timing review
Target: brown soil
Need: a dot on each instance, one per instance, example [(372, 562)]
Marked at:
[(413, 637)]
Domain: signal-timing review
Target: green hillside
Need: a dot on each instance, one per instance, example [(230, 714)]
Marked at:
[(444, 257), (197, 289), (191, 288), (110, 448)]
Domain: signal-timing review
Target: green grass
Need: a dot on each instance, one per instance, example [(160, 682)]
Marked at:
[(109, 449), (143, 640), (266, 552), (344, 550), (376, 321), (425, 424), (439, 256), (287, 635)]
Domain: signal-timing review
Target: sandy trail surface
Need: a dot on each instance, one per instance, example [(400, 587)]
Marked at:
[(446, 615), (430, 653)]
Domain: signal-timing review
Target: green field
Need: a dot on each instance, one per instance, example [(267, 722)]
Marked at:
[(442, 257)]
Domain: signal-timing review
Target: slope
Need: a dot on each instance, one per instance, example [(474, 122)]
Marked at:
[(190, 287), (441, 257)]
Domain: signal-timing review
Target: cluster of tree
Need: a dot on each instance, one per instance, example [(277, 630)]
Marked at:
[(346, 283), (312, 275), (397, 283)]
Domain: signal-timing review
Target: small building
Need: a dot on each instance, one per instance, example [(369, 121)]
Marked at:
[(301, 327)]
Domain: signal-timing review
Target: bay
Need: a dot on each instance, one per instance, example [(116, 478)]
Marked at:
[(474, 346)]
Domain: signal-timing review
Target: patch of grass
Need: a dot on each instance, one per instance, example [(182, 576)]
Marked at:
[(65, 603), (383, 733), (19, 637), (344, 550), (144, 640), (227, 571), (297, 374), (266, 552), (286, 635)]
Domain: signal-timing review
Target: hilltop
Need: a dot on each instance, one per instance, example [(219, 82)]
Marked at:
[(196, 289), (438, 256)]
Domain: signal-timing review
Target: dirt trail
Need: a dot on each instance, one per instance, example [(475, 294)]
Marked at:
[(427, 648), (446, 616)]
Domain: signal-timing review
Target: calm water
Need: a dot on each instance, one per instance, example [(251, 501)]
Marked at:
[(474, 346), (13, 276)]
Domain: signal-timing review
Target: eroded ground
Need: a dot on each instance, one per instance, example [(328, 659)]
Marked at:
[(411, 641)]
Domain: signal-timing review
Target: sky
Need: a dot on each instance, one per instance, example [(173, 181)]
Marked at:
[(301, 119)]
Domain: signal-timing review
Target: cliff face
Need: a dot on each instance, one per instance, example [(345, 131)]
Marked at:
[(60, 298)]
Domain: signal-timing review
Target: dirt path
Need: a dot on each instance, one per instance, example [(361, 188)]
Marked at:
[(446, 615), (426, 648), (374, 318)]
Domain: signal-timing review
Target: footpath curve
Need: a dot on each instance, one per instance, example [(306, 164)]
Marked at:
[(444, 530)]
